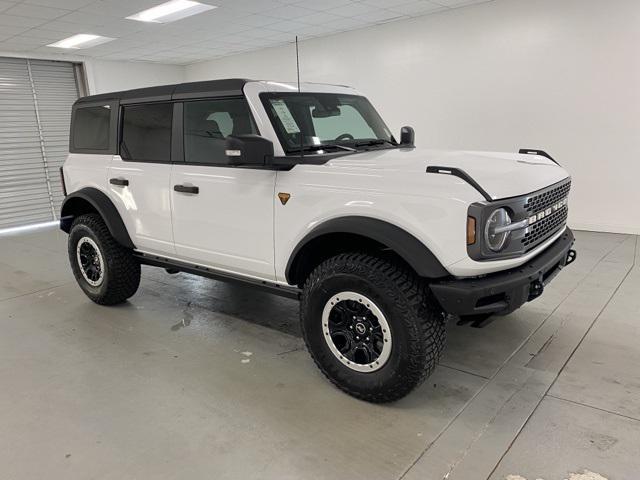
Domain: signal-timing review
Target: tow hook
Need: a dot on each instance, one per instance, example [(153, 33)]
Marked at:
[(536, 289), (571, 257)]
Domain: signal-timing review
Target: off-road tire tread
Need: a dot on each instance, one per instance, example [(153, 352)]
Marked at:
[(123, 268), (419, 310)]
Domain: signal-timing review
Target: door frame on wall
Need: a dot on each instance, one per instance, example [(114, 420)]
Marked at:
[(80, 72)]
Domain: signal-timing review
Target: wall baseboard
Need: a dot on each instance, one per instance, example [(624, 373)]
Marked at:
[(593, 227)]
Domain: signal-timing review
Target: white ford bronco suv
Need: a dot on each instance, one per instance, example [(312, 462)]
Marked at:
[(304, 192)]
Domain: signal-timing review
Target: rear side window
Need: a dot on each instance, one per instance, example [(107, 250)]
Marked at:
[(91, 127), (207, 123), (146, 132)]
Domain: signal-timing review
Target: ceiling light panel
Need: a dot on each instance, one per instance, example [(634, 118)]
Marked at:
[(81, 40), (171, 11)]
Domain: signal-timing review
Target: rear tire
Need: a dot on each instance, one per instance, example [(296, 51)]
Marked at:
[(106, 271), (352, 295)]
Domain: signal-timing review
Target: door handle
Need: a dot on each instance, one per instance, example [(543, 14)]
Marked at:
[(186, 189), (121, 182)]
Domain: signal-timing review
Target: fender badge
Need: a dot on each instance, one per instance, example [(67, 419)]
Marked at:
[(284, 197)]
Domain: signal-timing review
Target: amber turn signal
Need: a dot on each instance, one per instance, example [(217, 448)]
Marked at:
[(471, 230)]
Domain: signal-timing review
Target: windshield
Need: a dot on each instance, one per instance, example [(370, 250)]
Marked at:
[(314, 122)]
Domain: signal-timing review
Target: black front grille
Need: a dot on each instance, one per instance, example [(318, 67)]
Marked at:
[(538, 202), (544, 228), (551, 223)]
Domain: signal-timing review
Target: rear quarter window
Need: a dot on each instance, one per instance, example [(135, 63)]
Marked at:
[(91, 127)]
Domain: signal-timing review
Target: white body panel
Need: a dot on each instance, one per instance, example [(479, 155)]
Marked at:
[(145, 204), (83, 171), (392, 185), (237, 224), (229, 224)]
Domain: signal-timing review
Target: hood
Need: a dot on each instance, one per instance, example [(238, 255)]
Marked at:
[(501, 175)]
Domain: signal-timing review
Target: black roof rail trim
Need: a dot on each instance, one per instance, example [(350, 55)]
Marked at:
[(542, 153), (457, 172), (179, 91)]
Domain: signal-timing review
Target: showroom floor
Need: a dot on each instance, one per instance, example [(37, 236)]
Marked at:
[(198, 379)]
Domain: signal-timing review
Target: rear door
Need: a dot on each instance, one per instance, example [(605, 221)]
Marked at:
[(222, 215), (139, 178)]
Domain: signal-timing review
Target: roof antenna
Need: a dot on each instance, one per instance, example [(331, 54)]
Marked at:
[(298, 74), (297, 64)]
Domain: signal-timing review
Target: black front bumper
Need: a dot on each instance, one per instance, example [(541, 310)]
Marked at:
[(503, 292)]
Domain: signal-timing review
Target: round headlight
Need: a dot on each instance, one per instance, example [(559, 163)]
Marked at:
[(494, 236)]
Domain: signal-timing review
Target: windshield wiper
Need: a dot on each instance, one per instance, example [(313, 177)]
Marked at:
[(377, 141), (313, 148)]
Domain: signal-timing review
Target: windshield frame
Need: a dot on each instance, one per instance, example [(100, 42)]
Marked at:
[(313, 149)]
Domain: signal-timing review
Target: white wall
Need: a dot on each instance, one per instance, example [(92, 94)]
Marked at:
[(108, 76), (560, 75)]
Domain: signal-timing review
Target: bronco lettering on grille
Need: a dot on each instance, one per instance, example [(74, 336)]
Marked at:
[(548, 211)]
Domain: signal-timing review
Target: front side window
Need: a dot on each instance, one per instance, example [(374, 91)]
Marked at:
[(91, 127), (207, 123), (146, 132), (316, 121)]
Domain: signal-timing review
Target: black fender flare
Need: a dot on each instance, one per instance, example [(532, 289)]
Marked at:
[(73, 205), (412, 250)]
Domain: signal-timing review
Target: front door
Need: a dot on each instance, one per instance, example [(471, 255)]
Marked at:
[(139, 178), (222, 215)]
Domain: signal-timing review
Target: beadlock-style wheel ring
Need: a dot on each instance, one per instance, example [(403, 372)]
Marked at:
[(356, 332), (90, 261)]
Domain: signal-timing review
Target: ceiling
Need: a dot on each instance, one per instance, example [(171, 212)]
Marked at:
[(27, 26)]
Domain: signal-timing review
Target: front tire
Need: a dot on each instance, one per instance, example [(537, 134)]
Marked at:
[(105, 270), (371, 326)]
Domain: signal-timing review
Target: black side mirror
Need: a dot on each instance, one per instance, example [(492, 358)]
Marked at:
[(248, 150), (407, 136)]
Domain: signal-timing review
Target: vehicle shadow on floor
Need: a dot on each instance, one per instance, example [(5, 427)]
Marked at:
[(248, 304), (478, 351)]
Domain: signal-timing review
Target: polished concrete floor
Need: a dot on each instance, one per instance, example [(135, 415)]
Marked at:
[(195, 379)]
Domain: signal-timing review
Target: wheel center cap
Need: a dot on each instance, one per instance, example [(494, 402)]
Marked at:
[(360, 328)]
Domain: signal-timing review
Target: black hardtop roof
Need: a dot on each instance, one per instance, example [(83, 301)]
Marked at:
[(208, 88)]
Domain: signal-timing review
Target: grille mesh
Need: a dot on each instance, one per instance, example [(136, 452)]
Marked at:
[(537, 203), (546, 227)]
